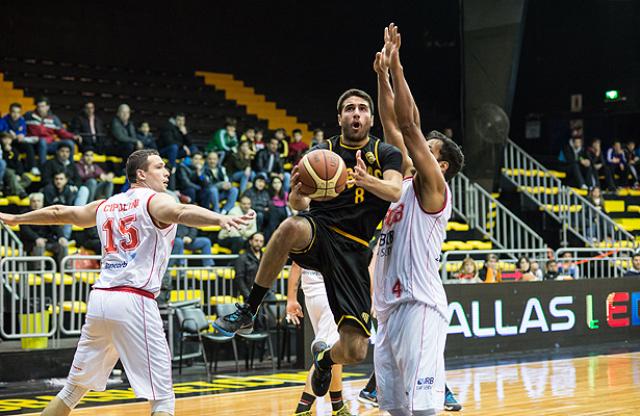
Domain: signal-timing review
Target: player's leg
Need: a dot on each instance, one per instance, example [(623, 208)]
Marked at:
[(390, 392), (93, 361), (139, 338), (295, 233)]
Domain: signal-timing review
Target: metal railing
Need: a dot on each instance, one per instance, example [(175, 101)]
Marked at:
[(574, 212), (590, 263), (31, 283), (491, 218), (10, 243)]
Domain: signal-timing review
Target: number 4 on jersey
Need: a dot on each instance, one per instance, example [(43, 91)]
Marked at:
[(397, 289), (128, 231)]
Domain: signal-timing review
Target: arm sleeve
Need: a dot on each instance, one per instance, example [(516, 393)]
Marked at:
[(390, 157)]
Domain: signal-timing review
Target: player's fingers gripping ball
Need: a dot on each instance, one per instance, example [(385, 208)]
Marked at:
[(322, 174)]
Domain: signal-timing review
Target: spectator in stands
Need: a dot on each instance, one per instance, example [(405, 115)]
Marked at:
[(278, 207), (260, 199), (297, 148), (318, 137), (60, 192), (468, 272), (219, 187), (631, 156), (14, 124), (579, 164), (536, 270), (567, 269), (124, 132), (269, 164), (239, 166), (224, 140), (522, 271), (144, 135), (91, 128), (174, 141), (600, 165), (236, 239), (99, 183), (249, 135), (247, 264), (48, 128), (62, 162), (551, 270), (490, 272), (89, 239), (190, 180), (283, 142), (595, 197), (40, 238), (187, 237), (619, 165), (634, 271), (12, 174), (259, 142)]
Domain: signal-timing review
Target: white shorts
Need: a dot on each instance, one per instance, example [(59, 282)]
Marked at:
[(125, 326), (409, 358), (321, 317)]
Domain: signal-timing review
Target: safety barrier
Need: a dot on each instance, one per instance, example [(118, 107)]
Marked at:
[(591, 263), (30, 300), (10, 243), (574, 212), (491, 218)]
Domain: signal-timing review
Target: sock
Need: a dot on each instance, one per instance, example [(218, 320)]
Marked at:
[(371, 384), (255, 297), (324, 359), (305, 403), (336, 400)]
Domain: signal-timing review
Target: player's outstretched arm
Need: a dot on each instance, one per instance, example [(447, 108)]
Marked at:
[(431, 181), (82, 216), (165, 209), (392, 133), (388, 188)]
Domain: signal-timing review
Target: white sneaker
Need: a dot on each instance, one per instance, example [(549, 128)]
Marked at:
[(35, 171)]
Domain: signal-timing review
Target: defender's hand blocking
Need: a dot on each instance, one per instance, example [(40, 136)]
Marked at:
[(236, 222), (8, 219)]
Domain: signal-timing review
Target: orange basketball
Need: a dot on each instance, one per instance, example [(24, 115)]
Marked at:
[(323, 175)]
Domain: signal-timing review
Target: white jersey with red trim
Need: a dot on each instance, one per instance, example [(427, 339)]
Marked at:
[(135, 252), (409, 252)]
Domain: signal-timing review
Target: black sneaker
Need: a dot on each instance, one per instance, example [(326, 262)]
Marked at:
[(241, 321), (321, 378), (450, 402), (368, 397)]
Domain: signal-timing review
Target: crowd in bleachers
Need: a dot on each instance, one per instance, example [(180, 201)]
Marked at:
[(232, 173)]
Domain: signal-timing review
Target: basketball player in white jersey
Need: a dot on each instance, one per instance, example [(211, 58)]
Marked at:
[(409, 298), (324, 328), (137, 229)]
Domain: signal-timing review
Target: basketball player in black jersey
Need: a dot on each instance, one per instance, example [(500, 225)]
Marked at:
[(333, 236)]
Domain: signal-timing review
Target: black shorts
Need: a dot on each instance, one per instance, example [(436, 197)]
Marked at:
[(344, 264)]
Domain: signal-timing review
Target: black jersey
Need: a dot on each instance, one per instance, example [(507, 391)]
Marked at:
[(356, 211)]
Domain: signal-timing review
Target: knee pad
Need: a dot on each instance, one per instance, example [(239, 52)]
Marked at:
[(166, 405), (71, 395)]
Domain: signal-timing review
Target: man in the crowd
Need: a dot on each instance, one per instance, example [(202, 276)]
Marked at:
[(580, 167), (269, 164), (174, 141), (99, 183), (14, 124), (236, 239), (297, 148), (124, 132), (40, 238), (218, 185), (91, 128), (247, 264), (634, 271), (187, 237), (45, 125), (13, 176)]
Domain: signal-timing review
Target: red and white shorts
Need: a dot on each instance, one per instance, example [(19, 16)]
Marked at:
[(125, 326)]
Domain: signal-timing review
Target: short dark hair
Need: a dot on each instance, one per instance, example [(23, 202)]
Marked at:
[(449, 152), (138, 160), (316, 131), (180, 115), (42, 99), (273, 138), (354, 92), (255, 234), (230, 122), (296, 131), (63, 144), (59, 172), (12, 105)]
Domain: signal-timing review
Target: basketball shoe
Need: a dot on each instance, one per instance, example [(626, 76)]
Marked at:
[(450, 402), (368, 397), (240, 321), (344, 411), (321, 377)]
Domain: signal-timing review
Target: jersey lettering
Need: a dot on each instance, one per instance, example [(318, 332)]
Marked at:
[(359, 198)]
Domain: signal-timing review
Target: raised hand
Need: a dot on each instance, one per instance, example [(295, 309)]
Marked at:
[(392, 44), (360, 175)]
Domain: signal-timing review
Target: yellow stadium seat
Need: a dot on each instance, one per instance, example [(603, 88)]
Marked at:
[(221, 300), (218, 249), (119, 180), (4, 202), (183, 295), (226, 272), (66, 279), (202, 274), (210, 228), (614, 205), (629, 224), (633, 208)]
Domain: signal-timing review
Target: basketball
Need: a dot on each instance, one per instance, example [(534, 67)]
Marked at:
[(323, 175)]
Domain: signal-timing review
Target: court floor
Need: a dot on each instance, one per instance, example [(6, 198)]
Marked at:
[(595, 385)]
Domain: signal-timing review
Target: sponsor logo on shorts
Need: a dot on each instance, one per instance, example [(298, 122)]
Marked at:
[(365, 317), (425, 383), (109, 266)]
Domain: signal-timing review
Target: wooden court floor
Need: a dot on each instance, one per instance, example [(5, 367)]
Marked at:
[(598, 385)]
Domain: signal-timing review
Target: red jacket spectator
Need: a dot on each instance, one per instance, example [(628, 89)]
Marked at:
[(48, 127)]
